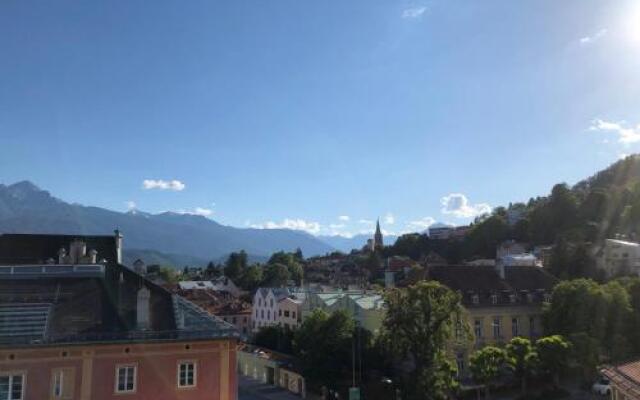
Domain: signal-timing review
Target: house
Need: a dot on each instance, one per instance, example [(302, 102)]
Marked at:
[(277, 306), (366, 308), (624, 380), (268, 366), (77, 324), (499, 303), (510, 247), (440, 232), (618, 257)]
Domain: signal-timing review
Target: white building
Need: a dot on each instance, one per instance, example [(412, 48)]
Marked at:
[(277, 306), (619, 257)]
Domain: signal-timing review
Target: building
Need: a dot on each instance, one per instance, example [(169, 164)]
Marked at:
[(618, 257), (277, 306), (624, 380), (500, 303), (268, 366), (377, 237), (510, 248), (76, 324), (366, 308), (440, 232)]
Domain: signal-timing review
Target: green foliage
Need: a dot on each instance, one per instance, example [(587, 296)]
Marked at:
[(486, 364), (168, 274), (251, 278), (553, 355), (325, 357), (417, 326), (275, 275), (235, 265), (522, 359), (275, 338), (292, 263)]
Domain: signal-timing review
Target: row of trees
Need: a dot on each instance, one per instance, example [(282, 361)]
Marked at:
[(281, 268), (601, 320), (548, 356)]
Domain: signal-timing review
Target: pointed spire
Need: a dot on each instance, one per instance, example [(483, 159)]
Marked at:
[(377, 238), (378, 226)]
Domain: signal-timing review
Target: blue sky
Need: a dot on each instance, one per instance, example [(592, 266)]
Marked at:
[(296, 113)]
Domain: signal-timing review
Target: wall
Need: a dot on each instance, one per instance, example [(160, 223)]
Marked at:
[(94, 369)]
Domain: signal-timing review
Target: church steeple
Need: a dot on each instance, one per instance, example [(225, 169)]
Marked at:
[(377, 238)]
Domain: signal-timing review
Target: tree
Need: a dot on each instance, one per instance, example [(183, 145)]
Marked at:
[(553, 353), (275, 275), (251, 278), (485, 365), (235, 265), (522, 359), (417, 326), (275, 338), (325, 357)]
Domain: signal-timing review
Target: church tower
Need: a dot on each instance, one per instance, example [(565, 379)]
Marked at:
[(377, 238)]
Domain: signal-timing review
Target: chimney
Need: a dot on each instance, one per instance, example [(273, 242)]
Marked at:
[(118, 237), (62, 255), (143, 319), (77, 251), (500, 268), (93, 255)]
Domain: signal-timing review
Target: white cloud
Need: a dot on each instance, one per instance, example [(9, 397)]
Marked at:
[(131, 205), (336, 226), (622, 156), (389, 219), (458, 205), (344, 218), (290, 223), (366, 222), (592, 38), (205, 212), (422, 223), (160, 184), (626, 135), (413, 12)]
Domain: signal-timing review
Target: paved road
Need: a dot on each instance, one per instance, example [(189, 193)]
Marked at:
[(250, 389)]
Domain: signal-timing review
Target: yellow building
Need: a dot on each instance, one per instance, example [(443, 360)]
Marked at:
[(500, 303)]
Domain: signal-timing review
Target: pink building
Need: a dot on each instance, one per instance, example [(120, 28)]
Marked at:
[(84, 329)]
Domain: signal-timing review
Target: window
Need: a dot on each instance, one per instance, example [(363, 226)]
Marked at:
[(262, 313), (126, 379), (514, 327), (271, 303), (477, 328), (475, 299), (187, 374), (494, 299), (12, 387), (512, 298), (256, 313), (293, 314), (460, 364), (286, 313), (458, 329), (268, 314), (280, 313), (532, 326), (496, 327), (260, 302), (244, 320), (62, 383)]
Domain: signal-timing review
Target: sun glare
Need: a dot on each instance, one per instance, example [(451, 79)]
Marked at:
[(632, 23)]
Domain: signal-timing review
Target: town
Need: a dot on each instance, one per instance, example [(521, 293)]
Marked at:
[(403, 320)]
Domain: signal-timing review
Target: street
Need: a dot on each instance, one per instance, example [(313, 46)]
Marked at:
[(250, 389)]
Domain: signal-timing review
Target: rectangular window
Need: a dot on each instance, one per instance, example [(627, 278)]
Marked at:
[(458, 329), (532, 326), (293, 314), (126, 379), (286, 313), (12, 387), (496, 327), (187, 374), (514, 327), (477, 328), (58, 381), (460, 364)]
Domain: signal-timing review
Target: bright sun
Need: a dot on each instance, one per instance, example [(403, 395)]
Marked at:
[(632, 23)]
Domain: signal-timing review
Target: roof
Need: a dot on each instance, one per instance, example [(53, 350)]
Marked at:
[(484, 281), (625, 377), (191, 285), (18, 248)]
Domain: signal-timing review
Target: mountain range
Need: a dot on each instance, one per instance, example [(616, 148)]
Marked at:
[(168, 237)]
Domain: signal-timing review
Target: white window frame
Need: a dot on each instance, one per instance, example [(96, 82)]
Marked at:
[(58, 383), (116, 385), (195, 374), (11, 375)]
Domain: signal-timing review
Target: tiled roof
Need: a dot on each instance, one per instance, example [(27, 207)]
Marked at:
[(528, 284), (625, 377)]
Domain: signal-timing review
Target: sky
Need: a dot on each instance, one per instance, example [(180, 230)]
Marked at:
[(319, 116)]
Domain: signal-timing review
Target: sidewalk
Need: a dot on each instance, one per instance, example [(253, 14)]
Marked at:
[(251, 389)]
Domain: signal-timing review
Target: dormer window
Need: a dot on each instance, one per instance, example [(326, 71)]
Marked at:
[(494, 299), (512, 298), (529, 298), (475, 299)]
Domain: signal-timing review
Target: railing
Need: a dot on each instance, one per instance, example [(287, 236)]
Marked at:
[(130, 336), (51, 270)]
